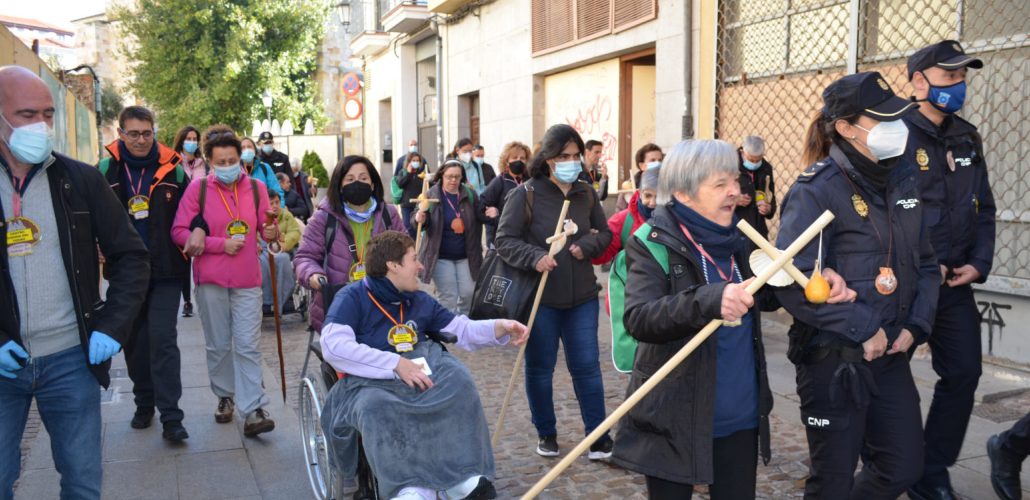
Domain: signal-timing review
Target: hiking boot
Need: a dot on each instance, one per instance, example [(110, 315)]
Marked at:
[(601, 449), (174, 431), (257, 423), (142, 418), (225, 408), (187, 310), (547, 446)]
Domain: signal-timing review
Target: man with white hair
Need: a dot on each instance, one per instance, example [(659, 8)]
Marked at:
[(757, 201)]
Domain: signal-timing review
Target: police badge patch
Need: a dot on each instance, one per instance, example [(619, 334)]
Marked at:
[(922, 159)]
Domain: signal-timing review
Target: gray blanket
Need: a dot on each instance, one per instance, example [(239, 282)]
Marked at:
[(434, 439)]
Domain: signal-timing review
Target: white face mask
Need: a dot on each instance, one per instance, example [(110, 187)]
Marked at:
[(886, 139), (465, 157)]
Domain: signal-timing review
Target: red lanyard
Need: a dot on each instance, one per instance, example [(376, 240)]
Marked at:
[(139, 185), (19, 188), (456, 213), (235, 201), (709, 257), (376, 302)]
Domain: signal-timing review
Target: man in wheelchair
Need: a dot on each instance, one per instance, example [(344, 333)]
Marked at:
[(415, 406)]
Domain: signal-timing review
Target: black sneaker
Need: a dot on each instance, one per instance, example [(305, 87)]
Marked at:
[(484, 491), (547, 446), (174, 431), (187, 310), (266, 311), (142, 418), (601, 449)]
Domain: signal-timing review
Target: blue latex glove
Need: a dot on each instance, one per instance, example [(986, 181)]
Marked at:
[(12, 358), (101, 348)]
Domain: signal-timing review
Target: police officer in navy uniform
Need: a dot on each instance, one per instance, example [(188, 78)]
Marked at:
[(853, 375), (279, 162), (959, 210)]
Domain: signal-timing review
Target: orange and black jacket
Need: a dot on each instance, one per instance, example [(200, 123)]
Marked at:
[(166, 259)]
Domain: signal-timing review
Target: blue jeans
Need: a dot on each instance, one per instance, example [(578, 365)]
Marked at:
[(68, 398), (577, 329)]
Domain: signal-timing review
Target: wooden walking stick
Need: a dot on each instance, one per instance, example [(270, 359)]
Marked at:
[(273, 250), (557, 242), (664, 371), (423, 205)]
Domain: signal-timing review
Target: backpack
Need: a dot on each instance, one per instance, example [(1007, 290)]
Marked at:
[(624, 347), (253, 188), (330, 236), (396, 191)]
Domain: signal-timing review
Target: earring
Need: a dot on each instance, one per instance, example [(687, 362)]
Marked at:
[(853, 137)]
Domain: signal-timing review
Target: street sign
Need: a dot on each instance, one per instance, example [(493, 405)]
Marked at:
[(352, 108), (351, 84)]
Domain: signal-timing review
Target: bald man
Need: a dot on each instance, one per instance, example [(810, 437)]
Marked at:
[(56, 335)]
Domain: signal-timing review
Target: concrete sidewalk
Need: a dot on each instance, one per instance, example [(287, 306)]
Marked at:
[(216, 462)]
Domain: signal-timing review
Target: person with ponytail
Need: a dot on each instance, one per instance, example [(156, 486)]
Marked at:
[(333, 245), (857, 393)]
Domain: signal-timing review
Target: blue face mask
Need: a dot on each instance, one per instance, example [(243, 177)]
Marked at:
[(227, 175), (479, 161), (752, 166), (948, 99), (31, 143), (189, 147), (567, 171), (653, 164), (268, 148), (247, 156), (413, 149)]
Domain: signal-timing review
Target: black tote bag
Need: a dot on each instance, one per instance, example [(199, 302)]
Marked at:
[(502, 291)]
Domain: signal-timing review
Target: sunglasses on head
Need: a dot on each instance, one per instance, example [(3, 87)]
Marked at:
[(217, 134)]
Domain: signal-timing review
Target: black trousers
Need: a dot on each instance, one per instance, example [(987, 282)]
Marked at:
[(956, 347), (890, 428), (152, 354), (1017, 439), (187, 282), (735, 463)]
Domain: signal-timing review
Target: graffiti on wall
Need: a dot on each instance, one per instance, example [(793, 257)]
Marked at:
[(990, 315), (589, 119), (587, 99)]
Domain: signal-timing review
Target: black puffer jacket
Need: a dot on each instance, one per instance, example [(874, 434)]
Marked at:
[(88, 214), (572, 282), (751, 182), (668, 434)]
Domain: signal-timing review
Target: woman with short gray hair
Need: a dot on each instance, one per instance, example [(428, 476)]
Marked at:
[(757, 202), (687, 266)]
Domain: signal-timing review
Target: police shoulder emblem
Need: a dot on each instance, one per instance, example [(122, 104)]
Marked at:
[(883, 84), (922, 159), (860, 207)]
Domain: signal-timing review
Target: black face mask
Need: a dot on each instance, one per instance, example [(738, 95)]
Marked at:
[(517, 167), (357, 193)]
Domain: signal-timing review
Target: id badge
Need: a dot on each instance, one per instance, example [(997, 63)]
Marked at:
[(238, 230), (403, 338), (357, 272), (22, 233), (139, 207)]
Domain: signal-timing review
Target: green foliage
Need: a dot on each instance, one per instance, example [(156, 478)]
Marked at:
[(110, 103), (312, 164), (202, 62)]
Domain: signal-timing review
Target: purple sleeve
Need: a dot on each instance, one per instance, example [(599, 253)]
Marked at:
[(474, 335), (311, 253), (346, 355), (395, 220)]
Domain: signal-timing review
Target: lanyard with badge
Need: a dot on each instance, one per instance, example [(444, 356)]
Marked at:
[(22, 233), (357, 271), (704, 267), (457, 224), (402, 337), (139, 205), (238, 229)]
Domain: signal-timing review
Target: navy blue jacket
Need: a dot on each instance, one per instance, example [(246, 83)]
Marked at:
[(851, 247), (957, 199)]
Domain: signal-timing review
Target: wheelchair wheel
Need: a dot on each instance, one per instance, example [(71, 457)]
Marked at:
[(316, 445)]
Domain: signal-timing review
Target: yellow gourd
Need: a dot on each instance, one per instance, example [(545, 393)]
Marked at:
[(818, 289)]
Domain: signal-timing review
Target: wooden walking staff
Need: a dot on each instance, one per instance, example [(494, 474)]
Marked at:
[(664, 371), (269, 220), (423, 205), (557, 242)]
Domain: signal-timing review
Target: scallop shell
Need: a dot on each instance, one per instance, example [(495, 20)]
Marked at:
[(760, 260)]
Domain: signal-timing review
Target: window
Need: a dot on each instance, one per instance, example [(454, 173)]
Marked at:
[(558, 24)]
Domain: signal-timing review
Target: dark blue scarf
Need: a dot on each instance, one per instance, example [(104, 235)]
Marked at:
[(720, 242), (645, 212), (384, 291), (138, 163)]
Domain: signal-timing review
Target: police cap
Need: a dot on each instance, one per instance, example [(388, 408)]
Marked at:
[(945, 55), (265, 137), (864, 93)]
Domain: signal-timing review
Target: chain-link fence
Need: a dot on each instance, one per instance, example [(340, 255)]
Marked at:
[(775, 57)]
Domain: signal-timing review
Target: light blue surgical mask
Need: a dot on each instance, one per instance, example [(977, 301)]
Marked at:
[(268, 148), (247, 156), (413, 149), (567, 171), (31, 143), (653, 164), (227, 175), (752, 166), (479, 161), (189, 147)]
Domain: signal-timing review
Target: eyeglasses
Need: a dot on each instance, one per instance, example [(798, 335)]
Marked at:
[(452, 177), (135, 135), (217, 134)]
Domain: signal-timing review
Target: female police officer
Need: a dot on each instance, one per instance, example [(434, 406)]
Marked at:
[(853, 376)]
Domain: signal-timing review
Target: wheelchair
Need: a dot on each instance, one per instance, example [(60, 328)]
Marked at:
[(326, 483)]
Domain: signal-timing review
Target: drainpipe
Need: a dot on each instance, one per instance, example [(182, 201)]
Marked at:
[(687, 125), (439, 97)]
